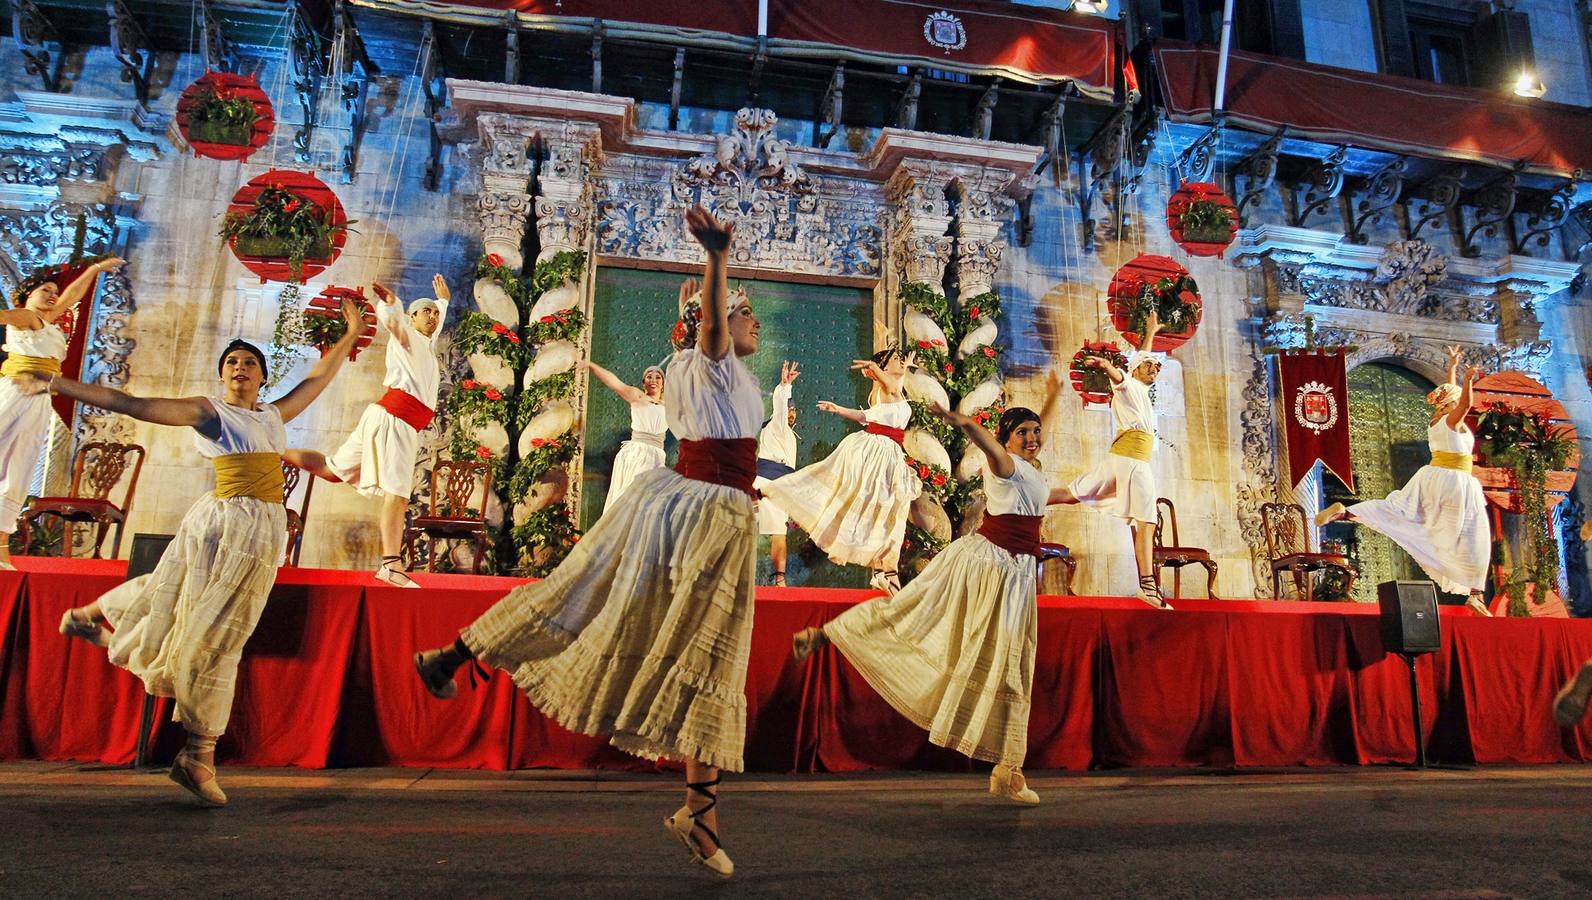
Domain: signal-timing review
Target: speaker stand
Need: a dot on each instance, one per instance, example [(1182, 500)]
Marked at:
[(146, 721), (1415, 708)]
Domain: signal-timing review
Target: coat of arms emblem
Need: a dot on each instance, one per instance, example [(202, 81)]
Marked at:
[(945, 31), (1315, 407)]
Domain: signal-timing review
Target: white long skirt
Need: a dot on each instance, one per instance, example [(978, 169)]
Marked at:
[(854, 503), (1120, 486), (1440, 519), (771, 517), (379, 457), (181, 628), (644, 632), (24, 429), (633, 459), (953, 651)]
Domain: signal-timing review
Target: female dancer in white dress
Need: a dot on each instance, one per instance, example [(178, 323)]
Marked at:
[(776, 456), (644, 451), (1124, 484), (643, 633), (854, 503), (954, 650), (1440, 516), (34, 345), (181, 628)]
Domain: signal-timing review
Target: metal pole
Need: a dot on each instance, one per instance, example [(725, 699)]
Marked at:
[(1415, 706), (762, 18), (1221, 66)]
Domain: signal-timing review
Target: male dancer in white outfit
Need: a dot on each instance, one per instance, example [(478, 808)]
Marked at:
[(776, 456), (378, 459)]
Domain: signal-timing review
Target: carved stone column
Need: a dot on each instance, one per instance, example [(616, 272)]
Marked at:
[(920, 243), (978, 226)]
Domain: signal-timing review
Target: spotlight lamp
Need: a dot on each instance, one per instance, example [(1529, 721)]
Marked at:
[(1093, 7), (1529, 85)]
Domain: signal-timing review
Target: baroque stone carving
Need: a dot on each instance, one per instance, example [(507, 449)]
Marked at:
[(785, 218), (72, 164), (105, 361), (1405, 282)]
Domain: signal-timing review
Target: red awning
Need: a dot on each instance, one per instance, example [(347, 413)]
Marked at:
[(1386, 112), (1029, 44)]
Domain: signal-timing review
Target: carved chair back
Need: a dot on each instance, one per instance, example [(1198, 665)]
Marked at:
[(1285, 528), (99, 467), (1165, 520), (453, 488)]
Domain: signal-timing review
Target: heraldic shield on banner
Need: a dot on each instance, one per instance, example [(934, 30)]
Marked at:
[(1315, 406)]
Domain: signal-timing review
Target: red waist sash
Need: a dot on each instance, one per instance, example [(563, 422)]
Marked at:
[(1017, 535), (899, 435), (731, 462), (407, 407)]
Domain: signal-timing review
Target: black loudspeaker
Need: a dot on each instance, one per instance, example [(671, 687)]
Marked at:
[(146, 553), (1409, 617)]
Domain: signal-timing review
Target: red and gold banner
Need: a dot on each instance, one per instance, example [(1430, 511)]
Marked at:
[(1314, 407)]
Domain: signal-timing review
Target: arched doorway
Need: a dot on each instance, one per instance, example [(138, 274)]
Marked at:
[(1388, 417)]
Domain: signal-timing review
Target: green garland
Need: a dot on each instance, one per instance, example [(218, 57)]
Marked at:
[(478, 332), (545, 455), (474, 403), (1165, 297), (564, 267), (1532, 446), (552, 526), (564, 325), (462, 447), (553, 387), (281, 223)]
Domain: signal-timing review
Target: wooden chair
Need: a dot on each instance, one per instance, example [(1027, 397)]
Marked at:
[(97, 468), (1060, 552), (450, 515), (291, 475), (1288, 547), (1177, 556)]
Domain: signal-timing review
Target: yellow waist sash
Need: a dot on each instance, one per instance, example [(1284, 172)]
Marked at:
[(17, 364), (1447, 459), (257, 475), (1134, 444)]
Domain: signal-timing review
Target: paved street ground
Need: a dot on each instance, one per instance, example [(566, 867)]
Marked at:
[(85, 830)]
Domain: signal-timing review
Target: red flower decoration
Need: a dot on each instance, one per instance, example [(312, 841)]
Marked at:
[(553, 442), (290, 206), (483, 453), (468, 384), (494, 394), (990, 352), (924, 344), (547, 318), (513, 338), (492, 259), (937, 480), (973, 312), (537, 442), (949, 368), (500, 328), (923, 471)]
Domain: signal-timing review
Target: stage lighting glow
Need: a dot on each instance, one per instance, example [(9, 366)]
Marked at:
[(1529, 85)]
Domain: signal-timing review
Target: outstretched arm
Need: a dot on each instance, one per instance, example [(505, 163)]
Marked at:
[(193, 411), (845, 412), (1112, 372), (320, 376), (1453, 363), (713, 339), (1050, 412), (1000, 462), (21, 317), (628, 393), (1152, 324), (81, 285), (444, 296), (1456, 416), (391, 314)]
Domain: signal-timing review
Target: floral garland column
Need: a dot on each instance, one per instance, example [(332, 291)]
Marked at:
[(546, 484)]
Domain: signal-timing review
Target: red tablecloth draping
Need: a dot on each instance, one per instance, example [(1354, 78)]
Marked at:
[(327, 681)]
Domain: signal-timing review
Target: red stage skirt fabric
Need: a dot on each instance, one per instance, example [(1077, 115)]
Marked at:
[(327, 681)]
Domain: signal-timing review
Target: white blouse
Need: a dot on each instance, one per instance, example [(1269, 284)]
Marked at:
[(707, 398), (648, 417), (1023, 494), (244, 431), (48, 342), (890, 415)]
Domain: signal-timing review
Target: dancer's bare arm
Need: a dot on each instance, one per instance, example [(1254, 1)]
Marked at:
[(845, 412), (22, 318), (392, 314), (443, 296), (627, 392), (1112, 372), (713, 339), (1000, 462), (28, 320), (1456, 416), (1051, 411), (1152, 325), (1453, 363), (298, 399), (194, 411)]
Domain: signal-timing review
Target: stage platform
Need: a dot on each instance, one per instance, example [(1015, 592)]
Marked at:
[(327, 682)]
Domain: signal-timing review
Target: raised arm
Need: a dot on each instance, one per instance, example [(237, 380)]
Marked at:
[(1456, 416), (443, 296), (21, 317), (845, 412), (81, 285), (1105, 365), (1000, 462), (1453, 363), (192, 411), (1050, 412), (779, 403), (628, 393), (390, 313), (320, 376), (713, 338), (1152, 325)]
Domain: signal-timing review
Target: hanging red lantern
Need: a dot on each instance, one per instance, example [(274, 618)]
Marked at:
[(225, 116), (1516, 392), (285, 226), (1155, 282), (324, 316), (1092, 384), (1202, 218)]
